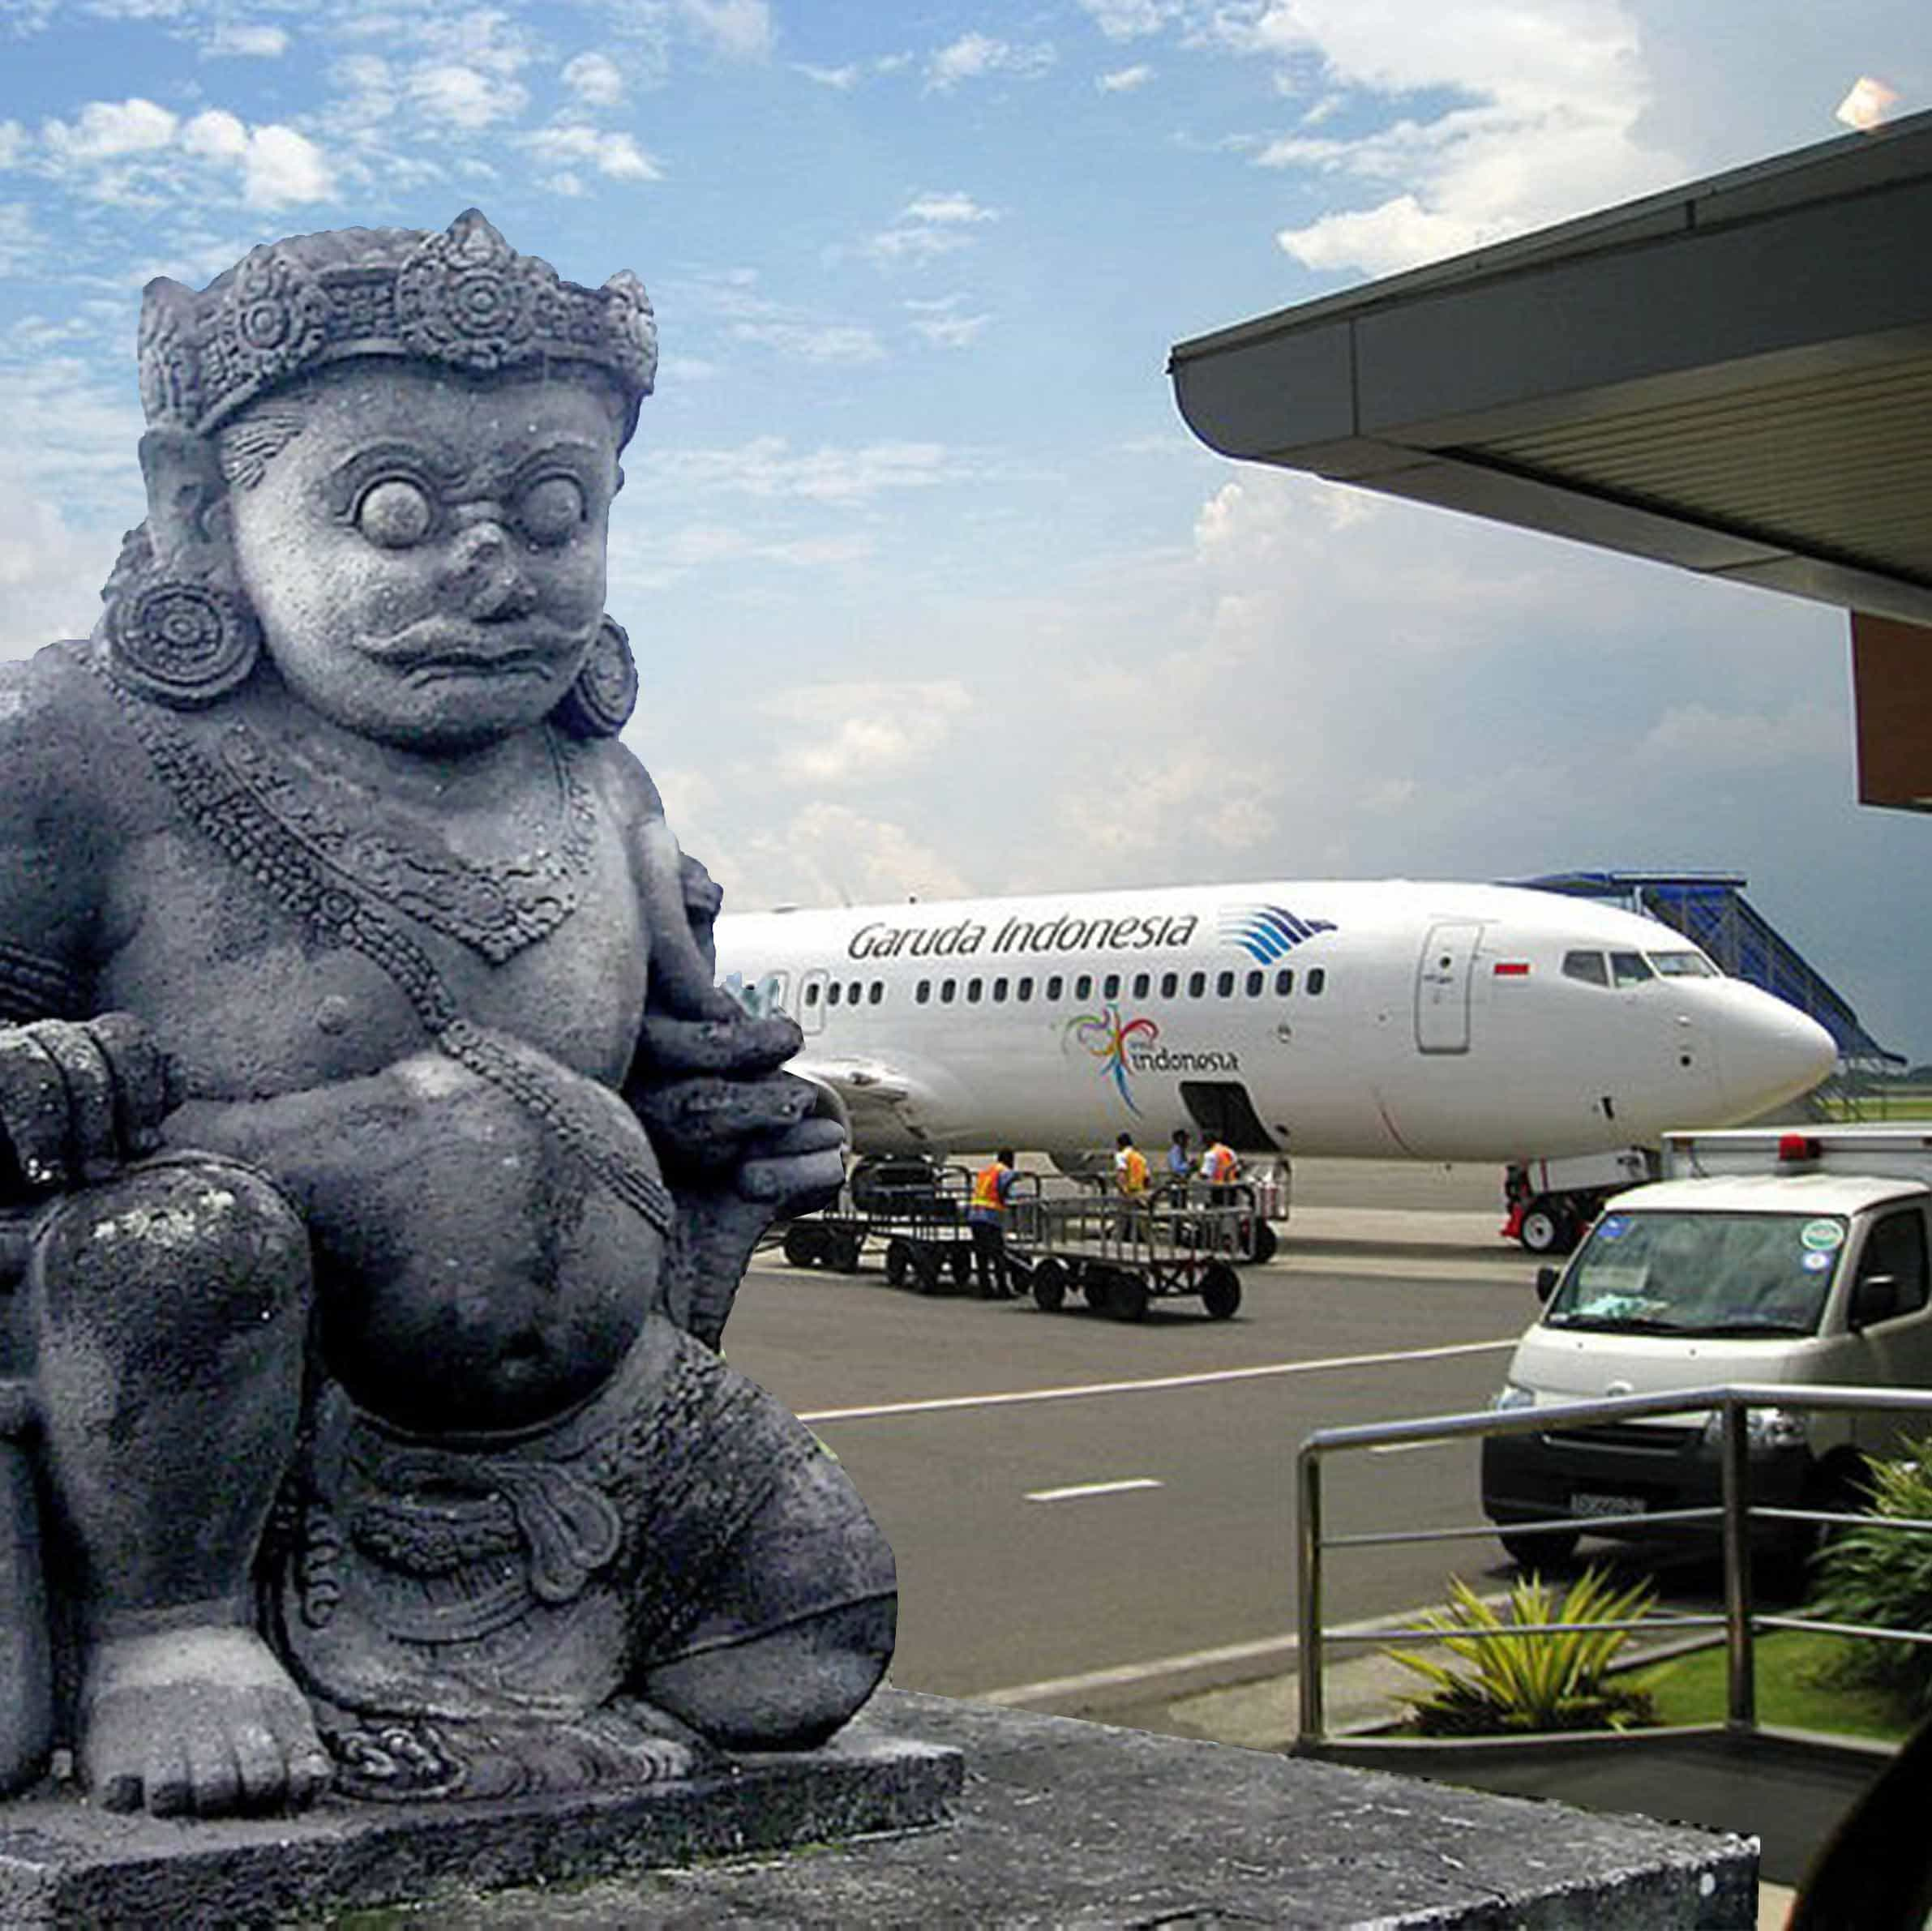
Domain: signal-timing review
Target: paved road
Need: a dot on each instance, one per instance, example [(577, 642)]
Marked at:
[(954, 1417)]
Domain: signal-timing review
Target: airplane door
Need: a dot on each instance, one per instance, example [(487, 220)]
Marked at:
[(1442, 986), (811, 1014)]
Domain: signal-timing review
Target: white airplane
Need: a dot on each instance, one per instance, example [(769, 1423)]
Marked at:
[(1390, 1019)]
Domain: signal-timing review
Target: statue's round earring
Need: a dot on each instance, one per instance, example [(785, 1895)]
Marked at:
[(184, 636), (600, 703)]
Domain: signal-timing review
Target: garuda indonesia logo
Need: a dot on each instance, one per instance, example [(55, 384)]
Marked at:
[(1266, 933)]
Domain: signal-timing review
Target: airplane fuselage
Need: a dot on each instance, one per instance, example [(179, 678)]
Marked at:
[(1438, 1021)]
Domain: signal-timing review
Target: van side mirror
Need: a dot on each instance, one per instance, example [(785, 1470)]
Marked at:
[(1547, 1278), (1874, 1297)]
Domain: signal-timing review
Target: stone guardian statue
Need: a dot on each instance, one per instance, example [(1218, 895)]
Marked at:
[(377, 1159)]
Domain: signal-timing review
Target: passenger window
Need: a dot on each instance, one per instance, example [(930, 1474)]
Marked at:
[(1254, 984), (1196, 984), (1110, 987), (876, 993), (1055, 987), (1023, 992), (1317, 978), (1170, 983), (1140, 983), (1284, 981), (811, 993), (973, 990), (922, 993), (947, 987), (1896, 1246), (1224, 984), (1629, 969), (1588, 966), (852, 993), (1083, 987), (999, 991), (831, 993)]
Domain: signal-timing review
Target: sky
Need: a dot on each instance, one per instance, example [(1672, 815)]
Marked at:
[(932, 589)]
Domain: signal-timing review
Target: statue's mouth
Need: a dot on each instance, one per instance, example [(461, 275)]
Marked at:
[(438, 648)]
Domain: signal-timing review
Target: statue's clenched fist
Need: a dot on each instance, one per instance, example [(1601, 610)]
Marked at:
[(78, 1099)]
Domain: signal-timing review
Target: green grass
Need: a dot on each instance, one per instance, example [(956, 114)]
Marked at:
[(1878, 1106), (1796, 1688)]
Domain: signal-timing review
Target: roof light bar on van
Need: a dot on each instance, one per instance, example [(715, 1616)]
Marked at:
[(1796, 1149)]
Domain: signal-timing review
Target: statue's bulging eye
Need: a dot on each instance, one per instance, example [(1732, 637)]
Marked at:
[(395, 513), (551, 509)]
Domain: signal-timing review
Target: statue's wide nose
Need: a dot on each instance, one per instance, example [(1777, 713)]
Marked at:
[(482, 577)]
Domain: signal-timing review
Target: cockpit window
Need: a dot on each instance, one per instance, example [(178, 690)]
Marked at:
[(1681, 965), (1629, 969), (1588, 966)]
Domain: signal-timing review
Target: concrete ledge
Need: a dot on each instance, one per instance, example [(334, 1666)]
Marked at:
[(64, 1863), (1059, 1824)]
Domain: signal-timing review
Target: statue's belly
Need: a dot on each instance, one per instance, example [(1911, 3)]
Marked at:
[(473, 1272)]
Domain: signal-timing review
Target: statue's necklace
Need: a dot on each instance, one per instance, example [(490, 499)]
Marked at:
[(495, 908)]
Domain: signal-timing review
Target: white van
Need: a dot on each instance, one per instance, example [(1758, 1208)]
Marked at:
[(1764, 1255)]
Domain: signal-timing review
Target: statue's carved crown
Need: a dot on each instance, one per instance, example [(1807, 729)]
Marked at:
[(464, 299)]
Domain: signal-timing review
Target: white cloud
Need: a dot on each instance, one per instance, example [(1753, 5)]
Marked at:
[(50, 572), (814, 342), (465, 97), (613, 154), (768, 467), (826, 853), (1124, 81), (944, 326), (595, 78), (974, 56), (108, 130), (738, 29), (949, 209), (1130, 20), (21, 241), (847, 735), (234, 39), (1702, 738), (14, 143), (844, 78), (913, 244)]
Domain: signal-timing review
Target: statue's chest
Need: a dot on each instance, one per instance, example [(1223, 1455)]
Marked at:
[(269, 962)]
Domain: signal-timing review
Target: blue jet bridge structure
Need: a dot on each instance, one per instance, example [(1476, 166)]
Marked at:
[(1709, 908)]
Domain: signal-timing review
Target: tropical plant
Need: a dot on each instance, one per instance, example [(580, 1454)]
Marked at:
[(1543, 1679), (1882, 1577)]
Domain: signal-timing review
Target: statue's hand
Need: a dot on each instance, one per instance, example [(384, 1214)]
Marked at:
[(78, 1097)]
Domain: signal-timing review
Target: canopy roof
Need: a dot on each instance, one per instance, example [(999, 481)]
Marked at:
[(1735, 376)]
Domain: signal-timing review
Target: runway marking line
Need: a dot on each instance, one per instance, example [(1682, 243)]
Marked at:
[(1153, 1384), (1082, 1489)]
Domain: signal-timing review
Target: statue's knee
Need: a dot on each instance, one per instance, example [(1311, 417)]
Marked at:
[(185, 1238), (783, 1689)]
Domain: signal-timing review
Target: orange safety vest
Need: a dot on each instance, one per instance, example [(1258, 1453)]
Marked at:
[(1221, 1163), (986, 1186), (1133, 1169)]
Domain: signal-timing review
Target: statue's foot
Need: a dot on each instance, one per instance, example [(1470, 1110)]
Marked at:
[(196, 1722)]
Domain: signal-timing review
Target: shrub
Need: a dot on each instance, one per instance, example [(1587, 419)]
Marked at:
[(1544, 1682), (1882, 1577)]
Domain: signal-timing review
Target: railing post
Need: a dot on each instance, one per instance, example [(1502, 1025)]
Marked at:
[(1742, 1671), (1308, 1651)]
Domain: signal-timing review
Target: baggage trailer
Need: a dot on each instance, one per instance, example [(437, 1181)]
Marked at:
[(1119, 1255), (918, 1210)]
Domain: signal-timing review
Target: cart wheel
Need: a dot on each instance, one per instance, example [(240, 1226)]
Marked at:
[(1220, 1290), (1096, 1284), (801, 1245), (925, 1270), (1128, 1299), (1265, 1242), (1050, 1286), (960, 1260), (899, 1261)]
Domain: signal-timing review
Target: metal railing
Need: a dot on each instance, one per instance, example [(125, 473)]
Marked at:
[(1735, 1513)]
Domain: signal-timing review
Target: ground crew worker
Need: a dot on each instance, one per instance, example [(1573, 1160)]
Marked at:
[(1220, 1169), (1180, 1165), (986, 1219), (1130, 1180)]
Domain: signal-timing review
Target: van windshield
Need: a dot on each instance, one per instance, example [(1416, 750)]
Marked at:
[(1701, 1274)]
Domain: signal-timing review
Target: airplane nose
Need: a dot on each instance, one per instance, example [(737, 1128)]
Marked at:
[(1769, 1052)]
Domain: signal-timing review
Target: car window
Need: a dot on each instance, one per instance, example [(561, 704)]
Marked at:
[(1896, 1246)]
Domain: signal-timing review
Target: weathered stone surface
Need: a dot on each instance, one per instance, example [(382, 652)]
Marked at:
[(64, 1863)]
